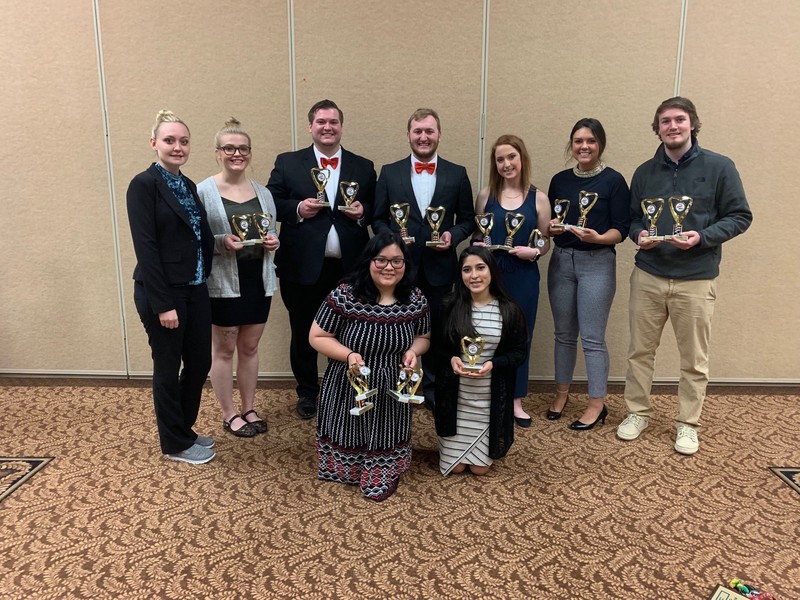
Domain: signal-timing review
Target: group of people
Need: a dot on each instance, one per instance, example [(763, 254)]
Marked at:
[(374, 305)]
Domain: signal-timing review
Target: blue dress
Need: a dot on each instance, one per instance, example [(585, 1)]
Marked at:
[(520, 277)]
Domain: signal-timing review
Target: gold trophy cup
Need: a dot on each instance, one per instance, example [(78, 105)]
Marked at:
[(357, 377), (400, 214), (485, 222), (435, 217), (513, 222), (263, 223), (561, 208), (537, 240), (586, 200), (679, 207), (241, 227), (472, 348), (320, 177), (349, 190), (405, 390), (651, 208)]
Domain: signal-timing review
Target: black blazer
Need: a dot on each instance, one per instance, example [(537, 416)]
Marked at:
[(163, 238), (300, 256), (453, 191)]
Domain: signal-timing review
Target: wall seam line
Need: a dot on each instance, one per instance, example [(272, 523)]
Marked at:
[(681, 44), (484, 93), (292, 76)]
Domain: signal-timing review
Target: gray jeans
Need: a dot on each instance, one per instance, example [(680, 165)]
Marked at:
[(581, 285)]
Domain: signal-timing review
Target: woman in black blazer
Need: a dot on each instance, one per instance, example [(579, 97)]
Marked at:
[(174, 248)]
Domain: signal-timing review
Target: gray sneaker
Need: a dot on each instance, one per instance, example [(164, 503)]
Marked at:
[(632, 426), (204, 441), (194, 454)]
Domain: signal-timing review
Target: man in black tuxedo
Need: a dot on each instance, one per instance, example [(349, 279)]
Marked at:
[(424, 180), (319, 243)]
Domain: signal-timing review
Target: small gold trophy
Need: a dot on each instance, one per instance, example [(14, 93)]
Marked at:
[(485, 222), (536, 240), (513, 222), (320, 177), (679, 207), (652, 207), (435, 217), (263, 223), (357, 376), (561, 208), (241, 226), (400, 213), (586, 200), (405, 390), (349, 190), (472, 348)]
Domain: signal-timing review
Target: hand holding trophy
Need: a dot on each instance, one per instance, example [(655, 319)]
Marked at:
[(357, 377), (651, 208), (349, 190), (513, 223), (400, 214), (472, 348), (435, 217), (320, 178), (537, 240), (241, 226), (405, 390), (679, 207), (561, 208)]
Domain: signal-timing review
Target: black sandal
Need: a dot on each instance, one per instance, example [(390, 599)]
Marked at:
[(245, 431), (260, 425)]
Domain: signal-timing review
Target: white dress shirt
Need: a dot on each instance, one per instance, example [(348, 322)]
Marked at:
[(333, 248), (424, 184)]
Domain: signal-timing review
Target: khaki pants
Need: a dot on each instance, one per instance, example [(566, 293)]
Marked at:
[(689, 305)]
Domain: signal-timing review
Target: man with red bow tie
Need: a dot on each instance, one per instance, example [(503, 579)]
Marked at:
[(319, 243), (424, 180)]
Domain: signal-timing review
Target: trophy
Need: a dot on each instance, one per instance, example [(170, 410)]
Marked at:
[(472, 348), (435, 216), (400, 213), (405, 390), (263, 223), (561, 208), (536, 240), (652, 207), (586, 200), (349, 189), (320, 177), (357, 376), (241, 226), (679, 207), (513, 222), (485, 221)]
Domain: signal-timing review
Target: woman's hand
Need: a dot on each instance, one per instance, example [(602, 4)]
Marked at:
[(169, 319), (354, 358), (458, 369), (587, 235), (409, 359), (557, 231), (270, 243), (525, 253), (232, 242)]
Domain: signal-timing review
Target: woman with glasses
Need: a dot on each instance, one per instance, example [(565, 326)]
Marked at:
[(374, 318), (484, 340), (242, 280), (174, 250)]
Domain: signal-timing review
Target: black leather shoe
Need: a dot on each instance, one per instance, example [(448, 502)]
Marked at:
[(524, 423), (578, 426), (555, 416), (306, 408)]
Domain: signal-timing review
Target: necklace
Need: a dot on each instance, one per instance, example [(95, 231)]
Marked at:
[(509, 196), (590, 172)]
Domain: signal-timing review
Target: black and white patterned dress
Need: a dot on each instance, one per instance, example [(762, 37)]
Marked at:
[(371, 450)]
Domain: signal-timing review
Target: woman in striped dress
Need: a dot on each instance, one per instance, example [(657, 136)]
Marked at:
[(374, 318), (475, 409)]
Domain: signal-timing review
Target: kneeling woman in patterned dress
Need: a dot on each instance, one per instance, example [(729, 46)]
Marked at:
[(475, 409), (375, 317)]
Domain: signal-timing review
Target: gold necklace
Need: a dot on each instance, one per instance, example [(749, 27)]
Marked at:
[(590, 172)]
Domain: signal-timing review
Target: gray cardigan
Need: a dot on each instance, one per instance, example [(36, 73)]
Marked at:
[(224, 279)]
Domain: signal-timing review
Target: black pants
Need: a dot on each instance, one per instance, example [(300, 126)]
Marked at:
[(176, 393), (302, 302)]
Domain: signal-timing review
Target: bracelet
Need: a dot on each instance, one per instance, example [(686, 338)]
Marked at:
[(347, 358)]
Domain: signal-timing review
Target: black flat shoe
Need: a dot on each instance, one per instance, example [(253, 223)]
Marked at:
[(555, 416), (306, 408), (245, 431), (260, 425), (578, 426), (524, 423)]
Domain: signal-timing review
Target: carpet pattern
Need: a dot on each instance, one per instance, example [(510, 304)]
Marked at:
[(565, 515), (16, 470)]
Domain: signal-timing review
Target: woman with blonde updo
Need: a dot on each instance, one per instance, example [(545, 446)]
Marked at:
[(242, 281), (174, 248)]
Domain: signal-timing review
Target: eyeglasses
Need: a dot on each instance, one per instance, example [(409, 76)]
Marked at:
[(381, 262), (231, 150)]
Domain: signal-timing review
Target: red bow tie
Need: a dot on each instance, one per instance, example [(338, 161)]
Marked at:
[(329, 162), (420, 167)]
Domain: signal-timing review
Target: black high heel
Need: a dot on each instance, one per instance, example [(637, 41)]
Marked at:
[(555, 416), (578, 426)]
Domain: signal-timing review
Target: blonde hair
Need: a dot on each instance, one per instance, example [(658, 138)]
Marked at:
[(166, 116), (232, 125)]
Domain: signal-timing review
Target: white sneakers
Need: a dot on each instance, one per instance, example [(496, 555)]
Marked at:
[(632, 426), (685, 441)]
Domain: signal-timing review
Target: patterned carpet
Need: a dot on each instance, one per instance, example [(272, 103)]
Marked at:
[(565, 515)]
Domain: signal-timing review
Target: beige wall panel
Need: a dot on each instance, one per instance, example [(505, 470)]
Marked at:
[(59, 291), (547, 69), (740, 69), (205, 64)]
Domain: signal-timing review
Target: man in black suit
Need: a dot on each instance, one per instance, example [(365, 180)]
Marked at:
[(319, 243), (424, 180)]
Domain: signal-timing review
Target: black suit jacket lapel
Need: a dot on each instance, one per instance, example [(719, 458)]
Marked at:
[(441, 180), (407, 189), (169, 197)]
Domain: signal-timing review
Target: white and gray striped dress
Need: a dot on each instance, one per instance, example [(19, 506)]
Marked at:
[(470, 444)]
